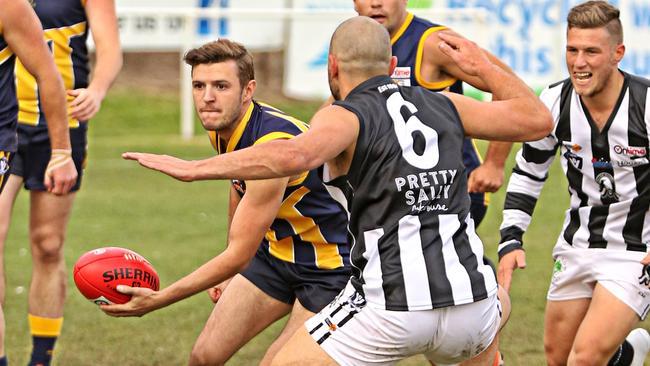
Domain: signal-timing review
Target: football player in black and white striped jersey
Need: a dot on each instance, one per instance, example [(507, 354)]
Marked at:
[(393, 158), (599, 289)]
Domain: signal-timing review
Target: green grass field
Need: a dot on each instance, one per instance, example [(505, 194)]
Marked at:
[(178, 226)]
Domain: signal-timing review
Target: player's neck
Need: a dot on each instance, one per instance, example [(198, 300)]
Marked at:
[(602, 104)]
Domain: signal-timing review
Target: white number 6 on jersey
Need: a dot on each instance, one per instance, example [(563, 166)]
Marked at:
[(404, 131)]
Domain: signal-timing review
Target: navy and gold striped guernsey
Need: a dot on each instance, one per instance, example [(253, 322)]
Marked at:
[(310, 227), (8, 103), (408, 47), (65, 27)]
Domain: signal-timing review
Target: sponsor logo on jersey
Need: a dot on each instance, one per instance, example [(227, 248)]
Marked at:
[(402, 75), (634, 152), (570, 146), (427, 191), (574, 159)]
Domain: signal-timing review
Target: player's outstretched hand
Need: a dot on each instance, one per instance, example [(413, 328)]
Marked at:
[(61, 173), (174, 167), (142, 302), (485, 178), (86, 103), (465, 53), (507, 265)]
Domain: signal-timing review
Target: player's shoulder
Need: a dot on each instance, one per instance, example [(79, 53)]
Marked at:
[(273, 123)]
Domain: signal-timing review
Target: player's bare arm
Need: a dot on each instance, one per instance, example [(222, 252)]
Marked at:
[(261, 202), (333, 131), (489, 176), (518, 115), (24, 34), (103, 25)]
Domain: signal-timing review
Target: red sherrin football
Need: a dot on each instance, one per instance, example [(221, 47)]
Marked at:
[(98, 272)]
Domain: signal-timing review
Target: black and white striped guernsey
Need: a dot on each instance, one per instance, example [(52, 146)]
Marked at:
[(608, 171), (413, 243)]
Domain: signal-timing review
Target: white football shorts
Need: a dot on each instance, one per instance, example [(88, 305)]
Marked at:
[(354, 333), (577, 270)]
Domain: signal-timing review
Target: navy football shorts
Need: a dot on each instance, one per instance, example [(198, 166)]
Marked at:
[(34, 152), (286, 282)]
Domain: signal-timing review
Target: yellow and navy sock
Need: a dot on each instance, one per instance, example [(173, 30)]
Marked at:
[(44, 333)]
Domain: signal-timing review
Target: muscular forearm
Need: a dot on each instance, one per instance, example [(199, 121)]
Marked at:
[(497, 153), (108, 65), (273, 159), (53, 104)]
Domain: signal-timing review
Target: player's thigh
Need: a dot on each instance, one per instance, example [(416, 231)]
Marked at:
[(49, 216), (297, 319), (605, 325), (302, 349), (243, 310), (561, 322)]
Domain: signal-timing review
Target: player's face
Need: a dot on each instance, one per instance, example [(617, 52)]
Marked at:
[(390, 13), (218, 97), (592, 58)]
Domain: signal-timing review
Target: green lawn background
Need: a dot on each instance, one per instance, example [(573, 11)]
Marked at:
[(178, 226)]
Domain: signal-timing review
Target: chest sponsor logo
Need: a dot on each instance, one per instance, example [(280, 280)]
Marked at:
[(633, 152), (427, 191)]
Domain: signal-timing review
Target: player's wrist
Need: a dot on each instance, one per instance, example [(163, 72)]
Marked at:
[(508, 247), (58, 158)]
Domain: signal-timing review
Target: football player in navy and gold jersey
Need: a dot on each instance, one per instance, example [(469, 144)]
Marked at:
[(65, 25), (291, 229), (420, 62)]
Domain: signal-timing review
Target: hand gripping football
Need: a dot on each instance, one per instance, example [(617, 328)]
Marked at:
[(98, 272)]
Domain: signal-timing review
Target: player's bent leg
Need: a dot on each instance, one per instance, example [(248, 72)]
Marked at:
[(604, 327), (302, 349), (561, 322), (297, 319), (243, 311)]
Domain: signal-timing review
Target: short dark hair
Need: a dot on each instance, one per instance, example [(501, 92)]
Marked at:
[(223, 50), (597, 14)]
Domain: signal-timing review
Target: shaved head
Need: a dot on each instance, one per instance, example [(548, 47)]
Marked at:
[(362, 47)]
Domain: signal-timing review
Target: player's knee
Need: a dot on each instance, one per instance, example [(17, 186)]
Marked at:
[(202, 356), (47, 247), (589, 353), (555, 356)]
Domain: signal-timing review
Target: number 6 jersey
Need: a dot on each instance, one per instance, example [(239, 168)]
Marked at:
[(414, 244)]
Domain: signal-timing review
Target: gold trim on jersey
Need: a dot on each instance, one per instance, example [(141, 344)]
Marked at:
[(239, 131), (273, 136), (437, 85), (26, 86), (302, 126), (5, 54), (212, 135), (326, 254), (402, 28)]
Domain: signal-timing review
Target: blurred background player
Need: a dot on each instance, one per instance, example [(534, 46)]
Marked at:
[(420, 62), (599, 289), (66, 24), (291, 230), (418, 283)]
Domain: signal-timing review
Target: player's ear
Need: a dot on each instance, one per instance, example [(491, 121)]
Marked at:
[(619, 52), (249, 90), (393, 65), (332, 66)]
